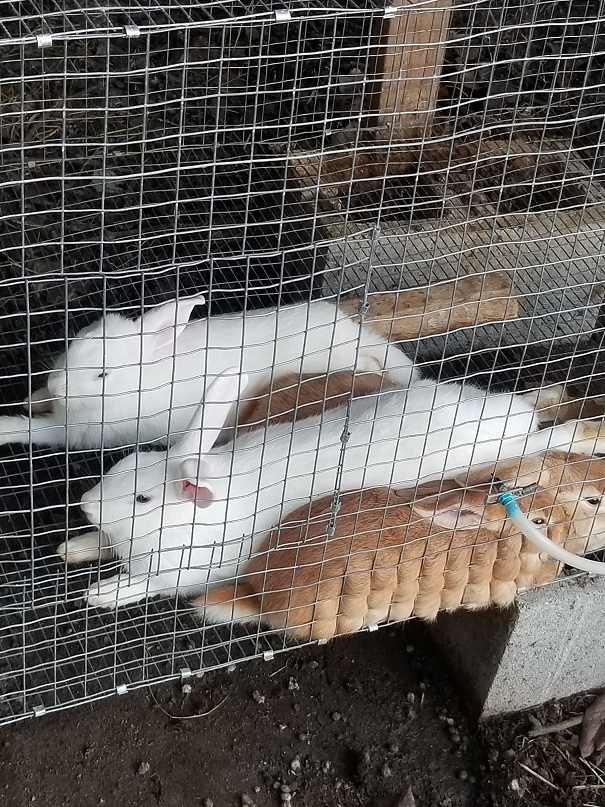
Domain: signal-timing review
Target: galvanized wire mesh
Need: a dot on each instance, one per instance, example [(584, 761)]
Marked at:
[(250, 151)]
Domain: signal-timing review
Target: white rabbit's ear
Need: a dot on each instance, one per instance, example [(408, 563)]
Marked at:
[(194, 485), (209, 419), (163, 324), (456, 510)]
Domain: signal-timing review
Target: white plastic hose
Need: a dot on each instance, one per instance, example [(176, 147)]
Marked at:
[(516, 515)]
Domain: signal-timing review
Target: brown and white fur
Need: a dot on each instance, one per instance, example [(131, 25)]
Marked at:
[(390, 559)]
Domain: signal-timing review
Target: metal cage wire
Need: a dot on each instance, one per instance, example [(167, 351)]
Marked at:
[(267, 154)]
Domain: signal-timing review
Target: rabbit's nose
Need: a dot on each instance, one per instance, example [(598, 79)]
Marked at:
[(90, 508)]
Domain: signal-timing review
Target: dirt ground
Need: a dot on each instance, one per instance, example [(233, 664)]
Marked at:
[(362, 721)]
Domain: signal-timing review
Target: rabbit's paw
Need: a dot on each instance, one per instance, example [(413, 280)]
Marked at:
[(85, 548), (589, 437), (547, 401), (9, 430), (40, 403), (115, 592)]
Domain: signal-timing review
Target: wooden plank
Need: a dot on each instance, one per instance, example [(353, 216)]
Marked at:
[(468, 301), (408, 65)]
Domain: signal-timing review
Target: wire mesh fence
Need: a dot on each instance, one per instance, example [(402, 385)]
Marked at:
[(295, 164)]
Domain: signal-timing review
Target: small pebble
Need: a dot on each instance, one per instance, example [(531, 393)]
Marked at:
[(510, 753), (411, 697), (393, 748), (208, 803), (286, 798), (514, 785), (247, 801), (283, 726), (257, 788), (293, 684), (256, 695), (386, 771), (463, 775), (455, 737), (303, 738), (186, 689), (450, 721), (325, 766), (232, 668), (284, 788), (409, 648), (143, 768), (336, 716), (295, 765), (276, 784)]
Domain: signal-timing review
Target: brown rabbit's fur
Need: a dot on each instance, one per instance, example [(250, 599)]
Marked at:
[(388, 556), (294, 397), (386, 560)]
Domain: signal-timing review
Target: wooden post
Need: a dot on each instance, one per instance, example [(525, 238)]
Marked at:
[(408, 65)]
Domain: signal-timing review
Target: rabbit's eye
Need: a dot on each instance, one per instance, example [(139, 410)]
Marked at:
[(539, 521), (142, 499), (595, 501), (103, 374)]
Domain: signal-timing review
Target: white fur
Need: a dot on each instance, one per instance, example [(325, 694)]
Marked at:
[(399, 437), (150, 392)]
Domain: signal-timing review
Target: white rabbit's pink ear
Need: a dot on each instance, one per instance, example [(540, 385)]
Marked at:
[(211, 415), (452, 511), (194, 484), (162, 325), (201, 495)]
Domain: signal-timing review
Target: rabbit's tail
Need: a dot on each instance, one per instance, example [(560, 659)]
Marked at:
[(228, 602)]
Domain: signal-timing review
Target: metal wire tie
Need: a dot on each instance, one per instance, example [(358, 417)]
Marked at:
[(498, 488)]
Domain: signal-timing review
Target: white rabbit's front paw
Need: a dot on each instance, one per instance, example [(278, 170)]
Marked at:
[(115, 592), (7, 430), (40, 403), (85, 548)]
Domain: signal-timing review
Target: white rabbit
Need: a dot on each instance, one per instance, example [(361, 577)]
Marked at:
[(147, 503), (122, 382)]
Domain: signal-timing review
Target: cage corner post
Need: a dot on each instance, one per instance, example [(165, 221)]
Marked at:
[(410, 52)]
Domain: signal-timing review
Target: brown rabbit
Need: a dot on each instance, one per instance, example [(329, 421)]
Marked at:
[(390, 558), (387, 560), (294, 397)]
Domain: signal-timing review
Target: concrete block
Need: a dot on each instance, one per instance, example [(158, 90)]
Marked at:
[(549, 645)]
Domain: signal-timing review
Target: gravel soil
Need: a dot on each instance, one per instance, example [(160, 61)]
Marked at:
[(372, 720)]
